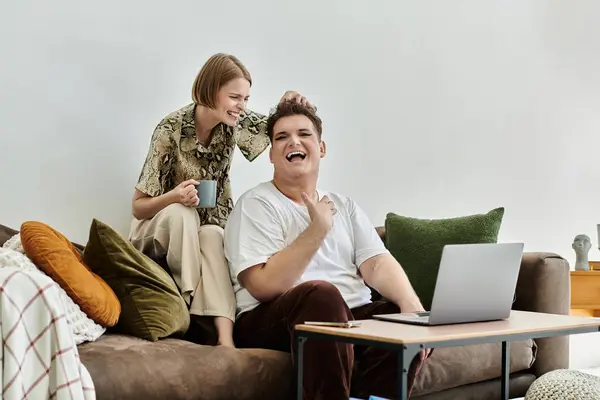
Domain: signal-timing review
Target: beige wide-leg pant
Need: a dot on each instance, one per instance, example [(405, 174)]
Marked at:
[(195, 256)]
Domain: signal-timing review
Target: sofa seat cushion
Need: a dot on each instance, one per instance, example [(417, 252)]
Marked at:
[(450, 367), (125, 367), (519, 383)]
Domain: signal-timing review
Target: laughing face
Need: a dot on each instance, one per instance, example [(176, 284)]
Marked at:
[(231, 100), (297, 149)]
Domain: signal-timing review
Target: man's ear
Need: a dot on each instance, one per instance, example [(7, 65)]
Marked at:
[(323, 148)]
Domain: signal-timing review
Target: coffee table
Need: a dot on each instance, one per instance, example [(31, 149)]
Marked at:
[(408, 340)]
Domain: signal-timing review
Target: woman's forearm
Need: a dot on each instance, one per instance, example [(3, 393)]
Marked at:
[(146, 207)]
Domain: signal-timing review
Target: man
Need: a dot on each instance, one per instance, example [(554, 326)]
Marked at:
[(297, 253)]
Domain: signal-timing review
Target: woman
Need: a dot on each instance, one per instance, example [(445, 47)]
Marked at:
[(196, 143)]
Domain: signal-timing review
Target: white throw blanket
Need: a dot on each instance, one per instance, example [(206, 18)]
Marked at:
[(83, 327), (39, 355)]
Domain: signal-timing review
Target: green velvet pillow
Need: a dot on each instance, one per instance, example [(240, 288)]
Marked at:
[(417, 243), (151, 305)]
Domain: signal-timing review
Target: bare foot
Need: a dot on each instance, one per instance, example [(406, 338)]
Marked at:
[(225, 331), (226, 343)]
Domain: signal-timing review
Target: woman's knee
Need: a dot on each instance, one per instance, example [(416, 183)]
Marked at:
[(177, 213), (178, 209), (211, 234)]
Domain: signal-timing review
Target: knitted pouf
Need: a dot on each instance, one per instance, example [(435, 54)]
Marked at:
[(565, 384)]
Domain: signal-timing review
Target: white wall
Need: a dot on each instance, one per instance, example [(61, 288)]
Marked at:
[(431, 109)]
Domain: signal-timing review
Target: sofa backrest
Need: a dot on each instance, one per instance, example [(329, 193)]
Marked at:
[(6, 233)]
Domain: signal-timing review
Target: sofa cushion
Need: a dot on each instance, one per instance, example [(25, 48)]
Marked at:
[(54, 254), (519, 383), (417, 244), (151, 306), (450, 367), (126, 368)]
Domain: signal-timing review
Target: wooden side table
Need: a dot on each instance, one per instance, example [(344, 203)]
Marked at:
[(407, 340), (585, 293)]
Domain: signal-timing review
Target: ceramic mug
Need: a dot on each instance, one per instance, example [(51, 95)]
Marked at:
[(207, 193)]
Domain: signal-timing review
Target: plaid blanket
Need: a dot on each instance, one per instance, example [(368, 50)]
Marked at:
[(84, 329), (39, 356)]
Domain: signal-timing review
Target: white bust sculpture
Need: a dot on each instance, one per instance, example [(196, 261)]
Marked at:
[(582, 245)]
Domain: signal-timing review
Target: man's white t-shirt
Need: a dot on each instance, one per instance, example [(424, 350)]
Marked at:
[(264, 221)]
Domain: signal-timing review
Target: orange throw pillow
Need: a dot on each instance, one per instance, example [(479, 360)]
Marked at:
[(54, 254)]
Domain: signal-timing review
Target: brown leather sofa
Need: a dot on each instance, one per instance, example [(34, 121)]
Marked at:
[(128, 368)]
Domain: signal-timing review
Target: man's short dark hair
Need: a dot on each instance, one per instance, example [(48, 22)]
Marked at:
[(289, 108)]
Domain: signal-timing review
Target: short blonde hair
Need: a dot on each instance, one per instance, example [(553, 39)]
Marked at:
[(216, 72)]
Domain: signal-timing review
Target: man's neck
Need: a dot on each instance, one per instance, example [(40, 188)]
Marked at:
[(293, 189), (205, 121)]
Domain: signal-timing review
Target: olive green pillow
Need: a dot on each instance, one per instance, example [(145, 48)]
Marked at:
[(417, 243), (151, 305)]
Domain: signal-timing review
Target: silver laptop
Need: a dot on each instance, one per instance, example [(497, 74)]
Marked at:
[(475, 283)]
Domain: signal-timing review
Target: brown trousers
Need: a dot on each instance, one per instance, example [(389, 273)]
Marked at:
[(195, 256), (332, 370)]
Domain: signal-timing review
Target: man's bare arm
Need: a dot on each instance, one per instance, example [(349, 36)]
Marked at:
[(267, 281), (384, 274)]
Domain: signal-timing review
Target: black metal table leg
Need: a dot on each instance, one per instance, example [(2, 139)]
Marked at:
[(504, 392), (405, 356), (299, 352)]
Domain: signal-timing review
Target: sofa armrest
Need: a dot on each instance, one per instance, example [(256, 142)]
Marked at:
[(544, 286)]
